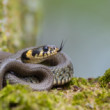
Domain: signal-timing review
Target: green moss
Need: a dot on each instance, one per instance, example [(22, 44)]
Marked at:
[(77, 82), (103, 97), (88, 96), (105, 79)]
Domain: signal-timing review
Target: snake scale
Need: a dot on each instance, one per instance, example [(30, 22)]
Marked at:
[(39, 67)]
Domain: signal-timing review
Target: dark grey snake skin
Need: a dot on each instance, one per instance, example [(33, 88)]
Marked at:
[(56, 70)]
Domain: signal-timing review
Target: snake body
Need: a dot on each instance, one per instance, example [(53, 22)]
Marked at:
[(41, 68)]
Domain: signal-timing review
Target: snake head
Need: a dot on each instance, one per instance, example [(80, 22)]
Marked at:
[(36, 55)]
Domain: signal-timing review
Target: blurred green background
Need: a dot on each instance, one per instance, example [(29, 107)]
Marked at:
[(84, 25)]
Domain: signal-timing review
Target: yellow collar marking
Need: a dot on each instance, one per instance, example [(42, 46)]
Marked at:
[(29, 54)]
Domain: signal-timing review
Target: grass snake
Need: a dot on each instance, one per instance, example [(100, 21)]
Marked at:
[(39, 67)]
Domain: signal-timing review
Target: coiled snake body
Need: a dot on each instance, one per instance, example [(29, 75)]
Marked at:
[(40, 68)]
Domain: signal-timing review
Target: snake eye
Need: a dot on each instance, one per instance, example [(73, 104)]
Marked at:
[(45, 48)]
